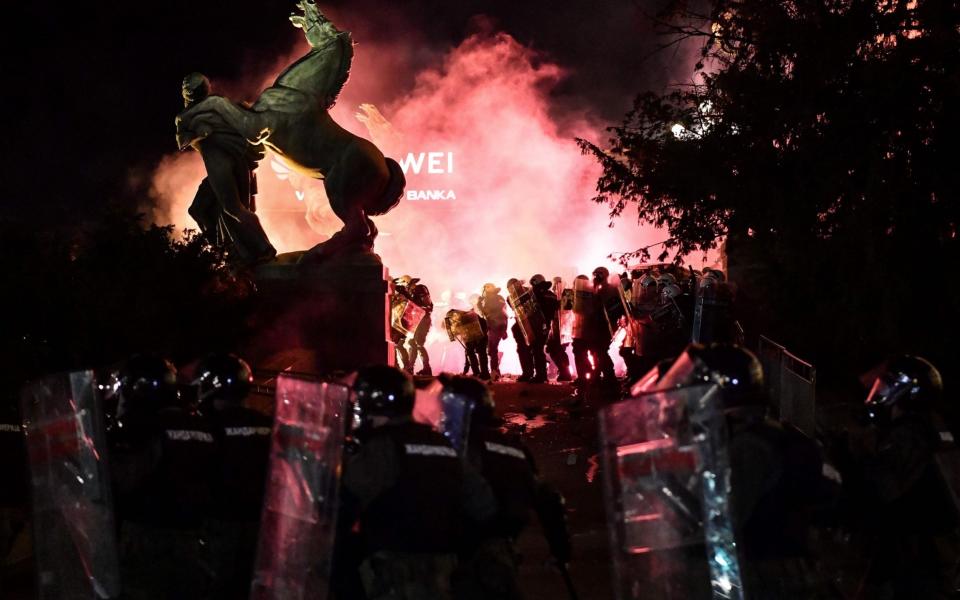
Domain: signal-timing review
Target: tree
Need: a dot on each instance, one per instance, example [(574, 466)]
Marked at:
[(818, 142), (90, 296)]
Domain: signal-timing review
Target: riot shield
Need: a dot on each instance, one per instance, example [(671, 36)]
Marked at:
[(445, 411), (455, 412), (710, 317), (566, 317), (617, 307), (528, 314), (666, 483), (637, 294), (582, 305), (298, 525), (668, 316), (73, 525), (566, 300), (405, 315), (555, 323), (462, 326)]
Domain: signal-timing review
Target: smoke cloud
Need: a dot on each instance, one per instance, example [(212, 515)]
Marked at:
[(480, 128)]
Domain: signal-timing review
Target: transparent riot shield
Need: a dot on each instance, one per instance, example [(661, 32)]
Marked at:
[(298, 526), (527, 311), (711, 315), (73, 526), (666, 479), (426, 406), (582, 305), (445, 411), (463, 326), (405, 315), (455, 412), (637, 294)]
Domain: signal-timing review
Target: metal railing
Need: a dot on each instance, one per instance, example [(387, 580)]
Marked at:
[(791, 385)]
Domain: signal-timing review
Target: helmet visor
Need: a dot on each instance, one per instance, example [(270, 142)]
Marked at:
[(887, 389), (683, 372)]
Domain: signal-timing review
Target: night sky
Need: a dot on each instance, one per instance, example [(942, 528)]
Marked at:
[(93, 94)]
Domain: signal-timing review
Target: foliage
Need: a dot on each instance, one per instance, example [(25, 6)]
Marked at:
[(818, 141), (95, 295)]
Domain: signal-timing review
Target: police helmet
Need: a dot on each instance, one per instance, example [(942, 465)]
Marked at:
[(406, 281), (735, 370), (648, 281), (709, 280), (383, 391), (601, 274), (720, 275), (475, 390), (224, 377), (671, 290), (909, 382), (147, 383), (539, 280)]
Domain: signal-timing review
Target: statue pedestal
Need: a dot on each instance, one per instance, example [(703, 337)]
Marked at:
[(322, 318)]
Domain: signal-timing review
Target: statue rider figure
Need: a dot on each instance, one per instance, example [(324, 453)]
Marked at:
[(224, 205)]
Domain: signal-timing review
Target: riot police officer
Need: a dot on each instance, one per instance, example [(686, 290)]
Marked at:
[(406, 492), (161, 457), (14, 491), (524, 353), (493, 308), (398, 337), (420, 295), (547, 304), (489, 561), (599, 336), (471, 330), (242, 437), (581, 331), (777, 476), (898, 486)]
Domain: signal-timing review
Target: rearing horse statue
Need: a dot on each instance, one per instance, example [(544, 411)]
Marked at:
[(291, 119)]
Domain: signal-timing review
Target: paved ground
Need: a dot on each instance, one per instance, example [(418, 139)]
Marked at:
[(564, 442)]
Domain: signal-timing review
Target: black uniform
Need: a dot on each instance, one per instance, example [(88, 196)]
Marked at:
[(902, 496), (523, 349), (162, 465), (489, 561), (14, 490), (475, 352), (777, 489), (597, 337), (421, 297), (493, 308), (408, 494), (243, 453), (398, 337), (549, 305)]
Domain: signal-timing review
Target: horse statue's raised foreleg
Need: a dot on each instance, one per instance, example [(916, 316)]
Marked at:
[(352, 189)]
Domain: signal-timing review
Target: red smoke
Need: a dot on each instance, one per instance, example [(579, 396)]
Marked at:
[(522, 186)]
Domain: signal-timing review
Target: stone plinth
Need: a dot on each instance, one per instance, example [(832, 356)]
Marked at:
[(322, 318)]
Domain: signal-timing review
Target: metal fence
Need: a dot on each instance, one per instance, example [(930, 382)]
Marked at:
[(791, 385)]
